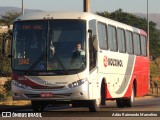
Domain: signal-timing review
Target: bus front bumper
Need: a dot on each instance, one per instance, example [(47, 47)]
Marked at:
[(75, 93)]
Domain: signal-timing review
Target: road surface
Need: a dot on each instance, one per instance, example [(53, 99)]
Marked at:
[(145, 105)]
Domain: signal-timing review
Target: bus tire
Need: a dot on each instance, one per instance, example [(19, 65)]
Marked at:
[(103, 99), (120, 103), (129, 101), (37, 106), (94, 105)]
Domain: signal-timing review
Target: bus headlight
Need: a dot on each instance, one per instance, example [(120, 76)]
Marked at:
[(19, 85), (77, 83)]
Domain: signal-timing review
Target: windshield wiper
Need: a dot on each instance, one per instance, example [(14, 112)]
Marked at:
[(60, 62), (35, 63)]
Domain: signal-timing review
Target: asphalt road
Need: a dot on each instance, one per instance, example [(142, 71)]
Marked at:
[(145, 105)]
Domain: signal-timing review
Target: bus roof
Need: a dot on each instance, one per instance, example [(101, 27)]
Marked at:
[(76, 15)]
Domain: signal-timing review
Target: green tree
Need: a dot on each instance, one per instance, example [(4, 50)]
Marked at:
[(137, 22)]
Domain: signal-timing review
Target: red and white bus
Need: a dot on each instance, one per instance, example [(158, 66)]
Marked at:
[(111, 63)]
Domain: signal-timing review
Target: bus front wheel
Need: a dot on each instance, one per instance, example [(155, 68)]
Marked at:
[(94, 105), (38, 106)]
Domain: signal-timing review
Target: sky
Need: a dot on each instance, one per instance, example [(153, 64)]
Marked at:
[(131, 6)]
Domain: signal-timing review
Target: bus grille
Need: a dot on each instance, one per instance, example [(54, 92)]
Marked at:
[(47, 87)]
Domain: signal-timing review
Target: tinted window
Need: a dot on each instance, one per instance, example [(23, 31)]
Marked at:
[(102, 36), (121, 39), (144, 45), (112, 42), (136, 41), (129, 44)]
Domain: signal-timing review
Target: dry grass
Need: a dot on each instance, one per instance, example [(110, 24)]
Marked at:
[(15, 103), (3, 80), (3, 30)]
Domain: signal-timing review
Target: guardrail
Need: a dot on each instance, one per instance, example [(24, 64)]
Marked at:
[(155, 90)]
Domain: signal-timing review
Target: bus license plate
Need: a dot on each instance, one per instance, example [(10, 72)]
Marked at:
[(46, 95)]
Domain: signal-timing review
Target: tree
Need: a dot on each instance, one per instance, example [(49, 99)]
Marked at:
[(9, 17), (5, 62), (138, 22), (6, 19)]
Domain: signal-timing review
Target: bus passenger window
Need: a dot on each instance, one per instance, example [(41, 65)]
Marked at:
[(144, 45), (129, 43), (112, 41), (136, 41), (121, 40), (102, 36)]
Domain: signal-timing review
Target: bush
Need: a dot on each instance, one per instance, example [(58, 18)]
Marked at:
[(2, 97), (7, 86)]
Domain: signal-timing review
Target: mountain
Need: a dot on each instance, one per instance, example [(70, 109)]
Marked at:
[(3, 10), (155, 17)]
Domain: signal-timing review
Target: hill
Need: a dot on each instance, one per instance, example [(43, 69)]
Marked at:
[(3, 10), (155, 17)]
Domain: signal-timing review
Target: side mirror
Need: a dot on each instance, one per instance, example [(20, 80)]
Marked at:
[(90, 31)]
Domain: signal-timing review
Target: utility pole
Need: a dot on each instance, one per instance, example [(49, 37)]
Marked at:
[(22, 8), (148, 41), (148, 19), (86, 5)]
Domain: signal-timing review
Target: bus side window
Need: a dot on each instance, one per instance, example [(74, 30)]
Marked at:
[(102, 37), (121, 40), (136, 41), (143, 45), (129, 42), (112, 39)]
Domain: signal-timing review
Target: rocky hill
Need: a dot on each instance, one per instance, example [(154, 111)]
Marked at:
[(3, 10)]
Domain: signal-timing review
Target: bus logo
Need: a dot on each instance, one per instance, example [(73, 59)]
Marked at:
[(112, 62)]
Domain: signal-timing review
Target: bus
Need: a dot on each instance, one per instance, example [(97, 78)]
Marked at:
[(77, 58)]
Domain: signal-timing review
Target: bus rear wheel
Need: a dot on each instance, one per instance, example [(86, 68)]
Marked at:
[(129, 101), (38, 106), (120, 103), (126, 102)]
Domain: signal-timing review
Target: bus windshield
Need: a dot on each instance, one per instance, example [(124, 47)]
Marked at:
[(52, 45)]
